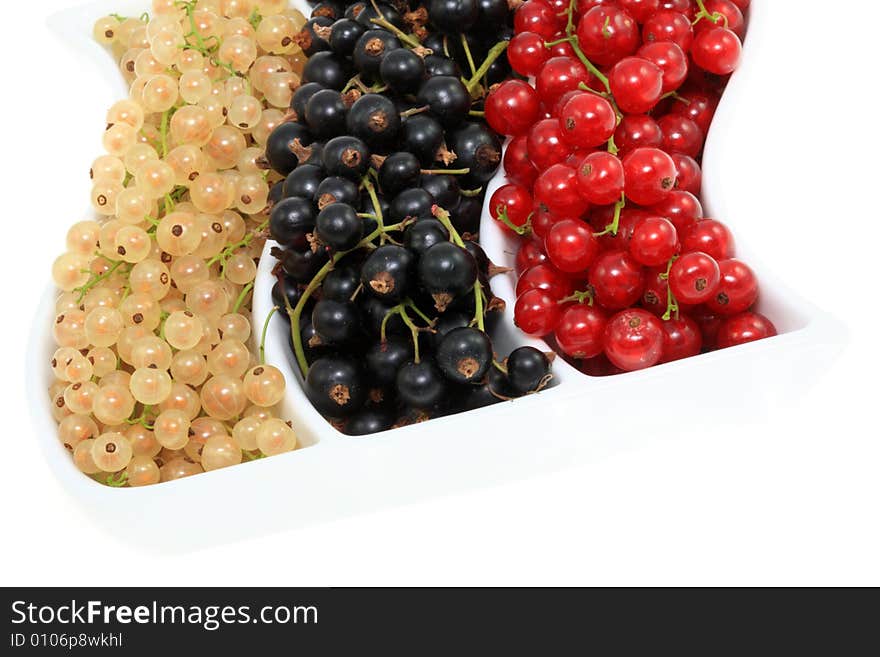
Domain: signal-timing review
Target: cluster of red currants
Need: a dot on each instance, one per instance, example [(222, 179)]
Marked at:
[(617, 265)]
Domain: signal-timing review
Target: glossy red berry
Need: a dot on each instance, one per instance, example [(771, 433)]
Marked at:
[(671, 59), (697, 106), (744, 327), (681, 339), (709, 324), (515, 200), (530, 253), (571, 246), (542, 220), (690, 175), (681, 135), (737, 291), (545, 144), (649, 175), (580, 332), (517, 164), (711, 237), (600, 178), (538, 17), (526, 53), (669, 25), (629, 217), (694, 278), (654, 241), (616, 279), (607, 34), (637, 131), (641, 10), (536, 313), (717, 50), (634, 340), (547, 278), (557, 190), (655, 297), (512, 108), (732, 17), (587, 120), (558, 75), (685, 7), (683, 209), (636, 84)]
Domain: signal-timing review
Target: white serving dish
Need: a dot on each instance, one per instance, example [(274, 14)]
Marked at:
[(580, 418)]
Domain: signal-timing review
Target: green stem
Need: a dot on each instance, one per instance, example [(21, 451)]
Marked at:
[(377, 208), (504, 218), (444, 218), (412, 304), (163, 132), (579, 297), (467, 54), (408, 39), (613, 227), (446, 172), (412, 329), (242, 296), (274, 310), (92, 282), (493, 54)]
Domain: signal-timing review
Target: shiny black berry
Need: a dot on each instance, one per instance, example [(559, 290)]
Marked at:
[(281, 146), (444, 189), (301, 98), (439, 65), (339, 227), (369, 421), (341, 284), (344, 35), (370, 50), (422, 136), (325, 114), (374, 119), (303, 181), (528, 370), (399, 171), (420, 385), (422, 235), (411, 204), (466, 216), (290, 220), (327, 69), (335, 386), (453, 16), (309, 40), (402, 70), (346, 156), (334, 189), (302, 264), (386, 272), (384, 359), (464, 355), (477, 148), (447, 99), (336, 322), (447, 272)]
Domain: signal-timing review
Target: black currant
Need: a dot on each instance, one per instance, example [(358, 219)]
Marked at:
[(367, 13), (447, 98), (423, 136), (339, 227), (369, 421), (290, 220), (302, 264), (332, 9), (528, 370), (282, 146), (328, 70), (466, 217), (374, 312), (286, 287), (335, 386), (464, 355), (473, 397), (411, 204), (334, 189), (371, 48), (276, 193), (423, 234), (346, 156), (325, 114), (492, 14), (453, 16), (439, 65), (336, 323), (447, 322), (444, 189), (303, 181), (301, 98), (386, 272), (311, 40), (374, 119), (340, 284), (399, 171), (477, 148), (402, 70), (344, 35), (420, 385), (384, 359), (307, 338), (447, 272)]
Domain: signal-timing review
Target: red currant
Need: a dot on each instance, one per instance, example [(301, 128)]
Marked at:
[(655, 297), (587, 120), (742, 4), (737, 291), (690, 175), (709, 324), (536, 313), (669, 26), (685, 7), (526, 53), (616, 279), (530, 253), (517, 163), (654, 241), (542, 220), (580, 332), (515, 200), (637, 131), (636, 84), (557, 189), (538, 17), (641, 10), (547, 278), (717, 50), (634, 340), (671, 59), (732, 17), (545, 144), (711, 237), (512, 108), (571, 246), (607, 34), (629, 217), (694, 278), (682, 209), (742, 328), (697, 106), (680, 135), (649, 175), (600, 178), (558, 75), (681, 339)]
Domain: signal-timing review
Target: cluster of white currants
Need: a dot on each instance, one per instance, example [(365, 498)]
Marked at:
[(155, 379)]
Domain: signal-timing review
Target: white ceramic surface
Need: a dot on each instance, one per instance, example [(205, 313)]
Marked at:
[(581, 418)]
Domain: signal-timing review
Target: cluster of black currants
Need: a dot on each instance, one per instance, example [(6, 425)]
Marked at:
[(386, 157)]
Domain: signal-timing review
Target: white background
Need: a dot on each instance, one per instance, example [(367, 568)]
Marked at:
[(786, 499)]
